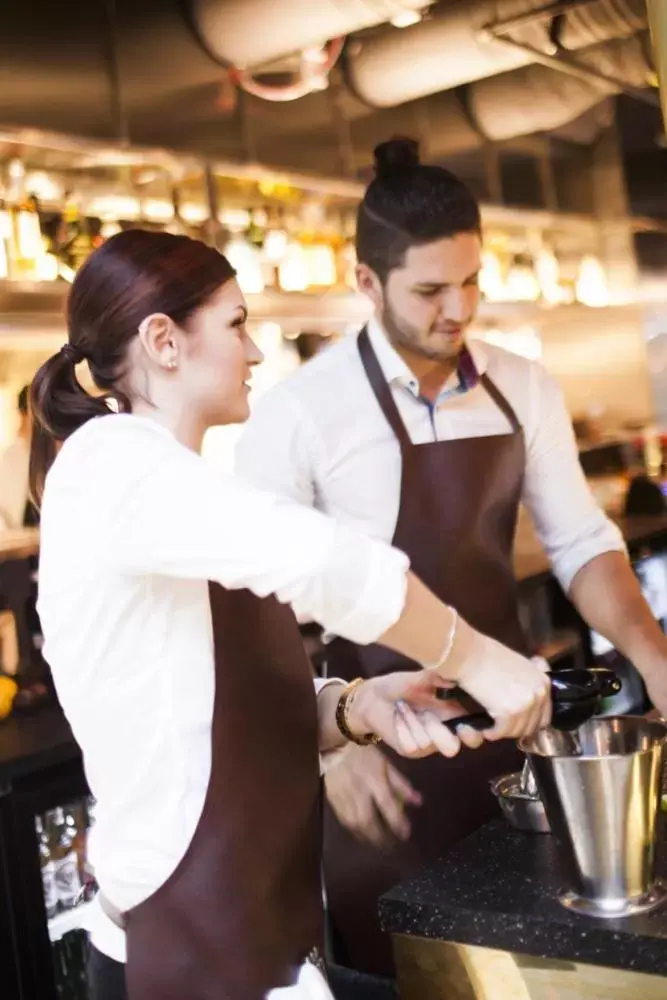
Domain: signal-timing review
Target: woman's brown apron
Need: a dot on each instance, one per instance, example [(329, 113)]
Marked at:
[(457, 519), (243, 910)]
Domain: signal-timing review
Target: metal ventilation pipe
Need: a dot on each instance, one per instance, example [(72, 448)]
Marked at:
[(657, 12), (456, 46), (495, 109), (249, 33), (499, 108)]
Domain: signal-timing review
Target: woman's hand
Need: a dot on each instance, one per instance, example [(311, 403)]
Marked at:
[(404, 711)]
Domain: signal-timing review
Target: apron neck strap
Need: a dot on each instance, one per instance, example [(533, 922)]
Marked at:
[(381, 389), (387, 403), (501, 402)]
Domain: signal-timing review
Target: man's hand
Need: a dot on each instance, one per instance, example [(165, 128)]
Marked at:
[(369, 796)]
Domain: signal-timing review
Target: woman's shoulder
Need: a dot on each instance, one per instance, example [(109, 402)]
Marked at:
[(111, 447), (117, 429)]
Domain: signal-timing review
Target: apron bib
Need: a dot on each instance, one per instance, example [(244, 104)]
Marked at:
[(243, 910), (457, 520)]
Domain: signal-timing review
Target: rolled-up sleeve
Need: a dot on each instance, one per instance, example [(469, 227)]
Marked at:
[(570, 524), (174, 515)]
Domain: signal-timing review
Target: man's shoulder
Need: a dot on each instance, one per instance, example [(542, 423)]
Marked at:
[(326, 378), (506, 365)]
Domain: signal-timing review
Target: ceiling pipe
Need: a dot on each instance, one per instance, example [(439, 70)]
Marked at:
[(251, 33), (312, 75), (457, 45), (657, 13)]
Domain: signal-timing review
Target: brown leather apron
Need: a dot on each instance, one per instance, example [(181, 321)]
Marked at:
[(243, 909), (457, 519)]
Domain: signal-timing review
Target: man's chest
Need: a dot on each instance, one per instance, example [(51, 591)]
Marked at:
[(359, 480)]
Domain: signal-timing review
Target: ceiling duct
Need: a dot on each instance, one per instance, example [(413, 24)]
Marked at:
[(493, 109), (249, 33), (54, 73), (456, 45), (500, 110)]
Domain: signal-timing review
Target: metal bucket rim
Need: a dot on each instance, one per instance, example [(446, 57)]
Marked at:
[(659, 743)]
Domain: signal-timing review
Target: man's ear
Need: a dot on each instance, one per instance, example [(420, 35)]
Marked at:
[(370, 285)]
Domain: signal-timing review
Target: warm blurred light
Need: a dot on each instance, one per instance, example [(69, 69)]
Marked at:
[(522, 284), (157, 209), (592, 288), (247, 262), (321, 265), (525, 341), (193, 212), (16, 170), (293, 271), (405, 18), (235, 219), (43, 186), (269, 338), (5, 225), (491, 281), (46, 267), (66, 272), (547, 270), (275, 245), (114, 206), (29, 235), (109, 229)]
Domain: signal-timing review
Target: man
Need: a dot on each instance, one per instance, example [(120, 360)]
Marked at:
[(408, 432), (15, 508)]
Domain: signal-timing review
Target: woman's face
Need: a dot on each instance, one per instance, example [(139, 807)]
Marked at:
[(217, 356)]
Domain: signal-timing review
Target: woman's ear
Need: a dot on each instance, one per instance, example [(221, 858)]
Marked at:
[(158, 337)]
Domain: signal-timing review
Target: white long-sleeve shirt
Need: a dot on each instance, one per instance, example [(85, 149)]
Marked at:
[(320, 438), (133, 526)]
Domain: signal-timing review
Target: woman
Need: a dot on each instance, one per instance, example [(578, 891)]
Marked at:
[(164, 593)]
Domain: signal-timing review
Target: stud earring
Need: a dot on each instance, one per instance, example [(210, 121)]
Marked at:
[(171, 365)]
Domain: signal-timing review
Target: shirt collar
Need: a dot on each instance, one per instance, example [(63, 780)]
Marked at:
[(473, 363)]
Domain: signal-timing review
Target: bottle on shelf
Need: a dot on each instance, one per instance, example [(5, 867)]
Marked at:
[(68, 883), (48, 868)]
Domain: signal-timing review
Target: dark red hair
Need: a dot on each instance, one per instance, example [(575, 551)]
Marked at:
[(132, 275)]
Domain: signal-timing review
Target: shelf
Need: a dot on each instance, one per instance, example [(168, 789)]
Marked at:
[(68, 920)]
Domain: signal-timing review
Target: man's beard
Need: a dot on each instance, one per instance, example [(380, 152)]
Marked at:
[(402, 335)]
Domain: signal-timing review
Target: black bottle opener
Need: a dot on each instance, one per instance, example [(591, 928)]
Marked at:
[(576, 696)]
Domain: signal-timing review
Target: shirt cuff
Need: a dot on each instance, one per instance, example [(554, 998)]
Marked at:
[(322, 682), (329, 757), (569, 562), (381, 602)]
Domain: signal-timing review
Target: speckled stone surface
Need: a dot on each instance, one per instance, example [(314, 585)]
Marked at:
[(498, 889)]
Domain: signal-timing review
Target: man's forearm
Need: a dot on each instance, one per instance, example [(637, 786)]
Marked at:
[(608, 596)]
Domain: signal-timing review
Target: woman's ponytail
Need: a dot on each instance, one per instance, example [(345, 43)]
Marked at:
[(59, 405)]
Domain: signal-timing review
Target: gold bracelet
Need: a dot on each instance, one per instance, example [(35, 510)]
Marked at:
[(342, 721)]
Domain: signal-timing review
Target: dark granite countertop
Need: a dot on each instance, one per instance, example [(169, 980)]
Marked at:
[(34, 742), (498, 888)]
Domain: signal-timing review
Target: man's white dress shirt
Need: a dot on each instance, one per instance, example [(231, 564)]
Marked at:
[(321, 438)]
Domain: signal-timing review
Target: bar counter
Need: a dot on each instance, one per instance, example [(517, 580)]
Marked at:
[(33, 743), (485, 924)]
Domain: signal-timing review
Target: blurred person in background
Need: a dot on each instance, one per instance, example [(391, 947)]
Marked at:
[(16, 510), (165, 593), (415, 435)]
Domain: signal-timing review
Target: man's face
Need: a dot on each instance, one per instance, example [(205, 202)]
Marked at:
[(428, 303)]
